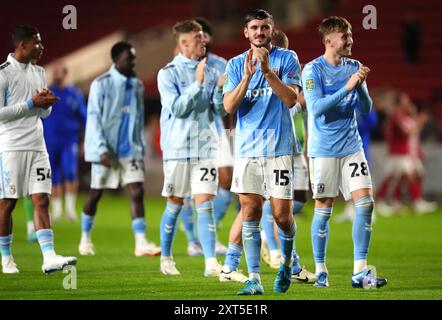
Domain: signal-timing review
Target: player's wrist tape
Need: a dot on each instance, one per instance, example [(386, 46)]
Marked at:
[(30, 103)]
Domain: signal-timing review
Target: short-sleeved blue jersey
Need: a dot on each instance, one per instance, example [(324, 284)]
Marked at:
[(263, 127)]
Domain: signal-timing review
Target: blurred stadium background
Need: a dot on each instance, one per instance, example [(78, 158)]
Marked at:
[(404, 52)]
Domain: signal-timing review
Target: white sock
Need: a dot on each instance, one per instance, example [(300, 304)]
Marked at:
[(48, 254), (30, 226), (359, 265), (275, 254), (70, 199), (263, 236), (320, 267), (211, 261), (57, 207), (86, 237), (255, 276), (166, 258), (140, 239), (226, 269)]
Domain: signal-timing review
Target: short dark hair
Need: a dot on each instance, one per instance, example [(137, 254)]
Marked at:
[(119, 48), (259, 14), (186, 26), (333, 24), (280, 39), (207, 27), (23, 33)]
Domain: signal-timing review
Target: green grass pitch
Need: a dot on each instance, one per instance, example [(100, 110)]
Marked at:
[(405, 249)]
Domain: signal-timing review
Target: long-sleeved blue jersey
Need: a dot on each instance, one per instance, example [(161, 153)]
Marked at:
[(187, 124), (331, 108)]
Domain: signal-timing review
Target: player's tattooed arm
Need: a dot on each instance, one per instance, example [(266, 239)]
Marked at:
[(234, 98), (287, 93)]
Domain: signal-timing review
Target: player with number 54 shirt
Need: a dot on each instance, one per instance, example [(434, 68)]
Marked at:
[(24, 161)]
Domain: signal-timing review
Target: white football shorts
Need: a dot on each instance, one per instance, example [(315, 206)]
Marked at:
[(123, 171), (23, 173), (300, 172), (348, 174), (224, 157), (184, 178), (266, 176)]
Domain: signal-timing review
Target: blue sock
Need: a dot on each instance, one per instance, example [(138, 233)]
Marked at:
[(362, 227), (221, 204), (46, 240), (5, 245), (287, 239), (233, 256), (139, 225), (297, 206), (187, 218), (87, 222), (319, 231), (206, 228), (296, 267), (267, 223), (168, 227), (251, 239)]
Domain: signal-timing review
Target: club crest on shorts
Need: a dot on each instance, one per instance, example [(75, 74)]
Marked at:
[(288, 192), (236, 182), (169, 188), (12, 189), (320, 188)]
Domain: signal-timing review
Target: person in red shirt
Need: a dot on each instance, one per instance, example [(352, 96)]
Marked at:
[(404, 164)]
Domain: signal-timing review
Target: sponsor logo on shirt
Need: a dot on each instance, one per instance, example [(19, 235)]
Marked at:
[(260, 92)]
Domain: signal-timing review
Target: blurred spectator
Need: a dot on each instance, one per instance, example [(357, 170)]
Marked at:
[(404, 162), (62, 134), (411, 39)]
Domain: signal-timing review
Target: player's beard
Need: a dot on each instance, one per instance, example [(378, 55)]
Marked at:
[(266, 43)]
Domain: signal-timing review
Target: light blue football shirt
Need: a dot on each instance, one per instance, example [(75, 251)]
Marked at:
[(332, 126), (188, 130), (263, 126)]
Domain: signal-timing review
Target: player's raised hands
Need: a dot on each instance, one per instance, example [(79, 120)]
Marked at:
[(262, 54), (44, 98), (200, 70), (250, 65), (357, 78)]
